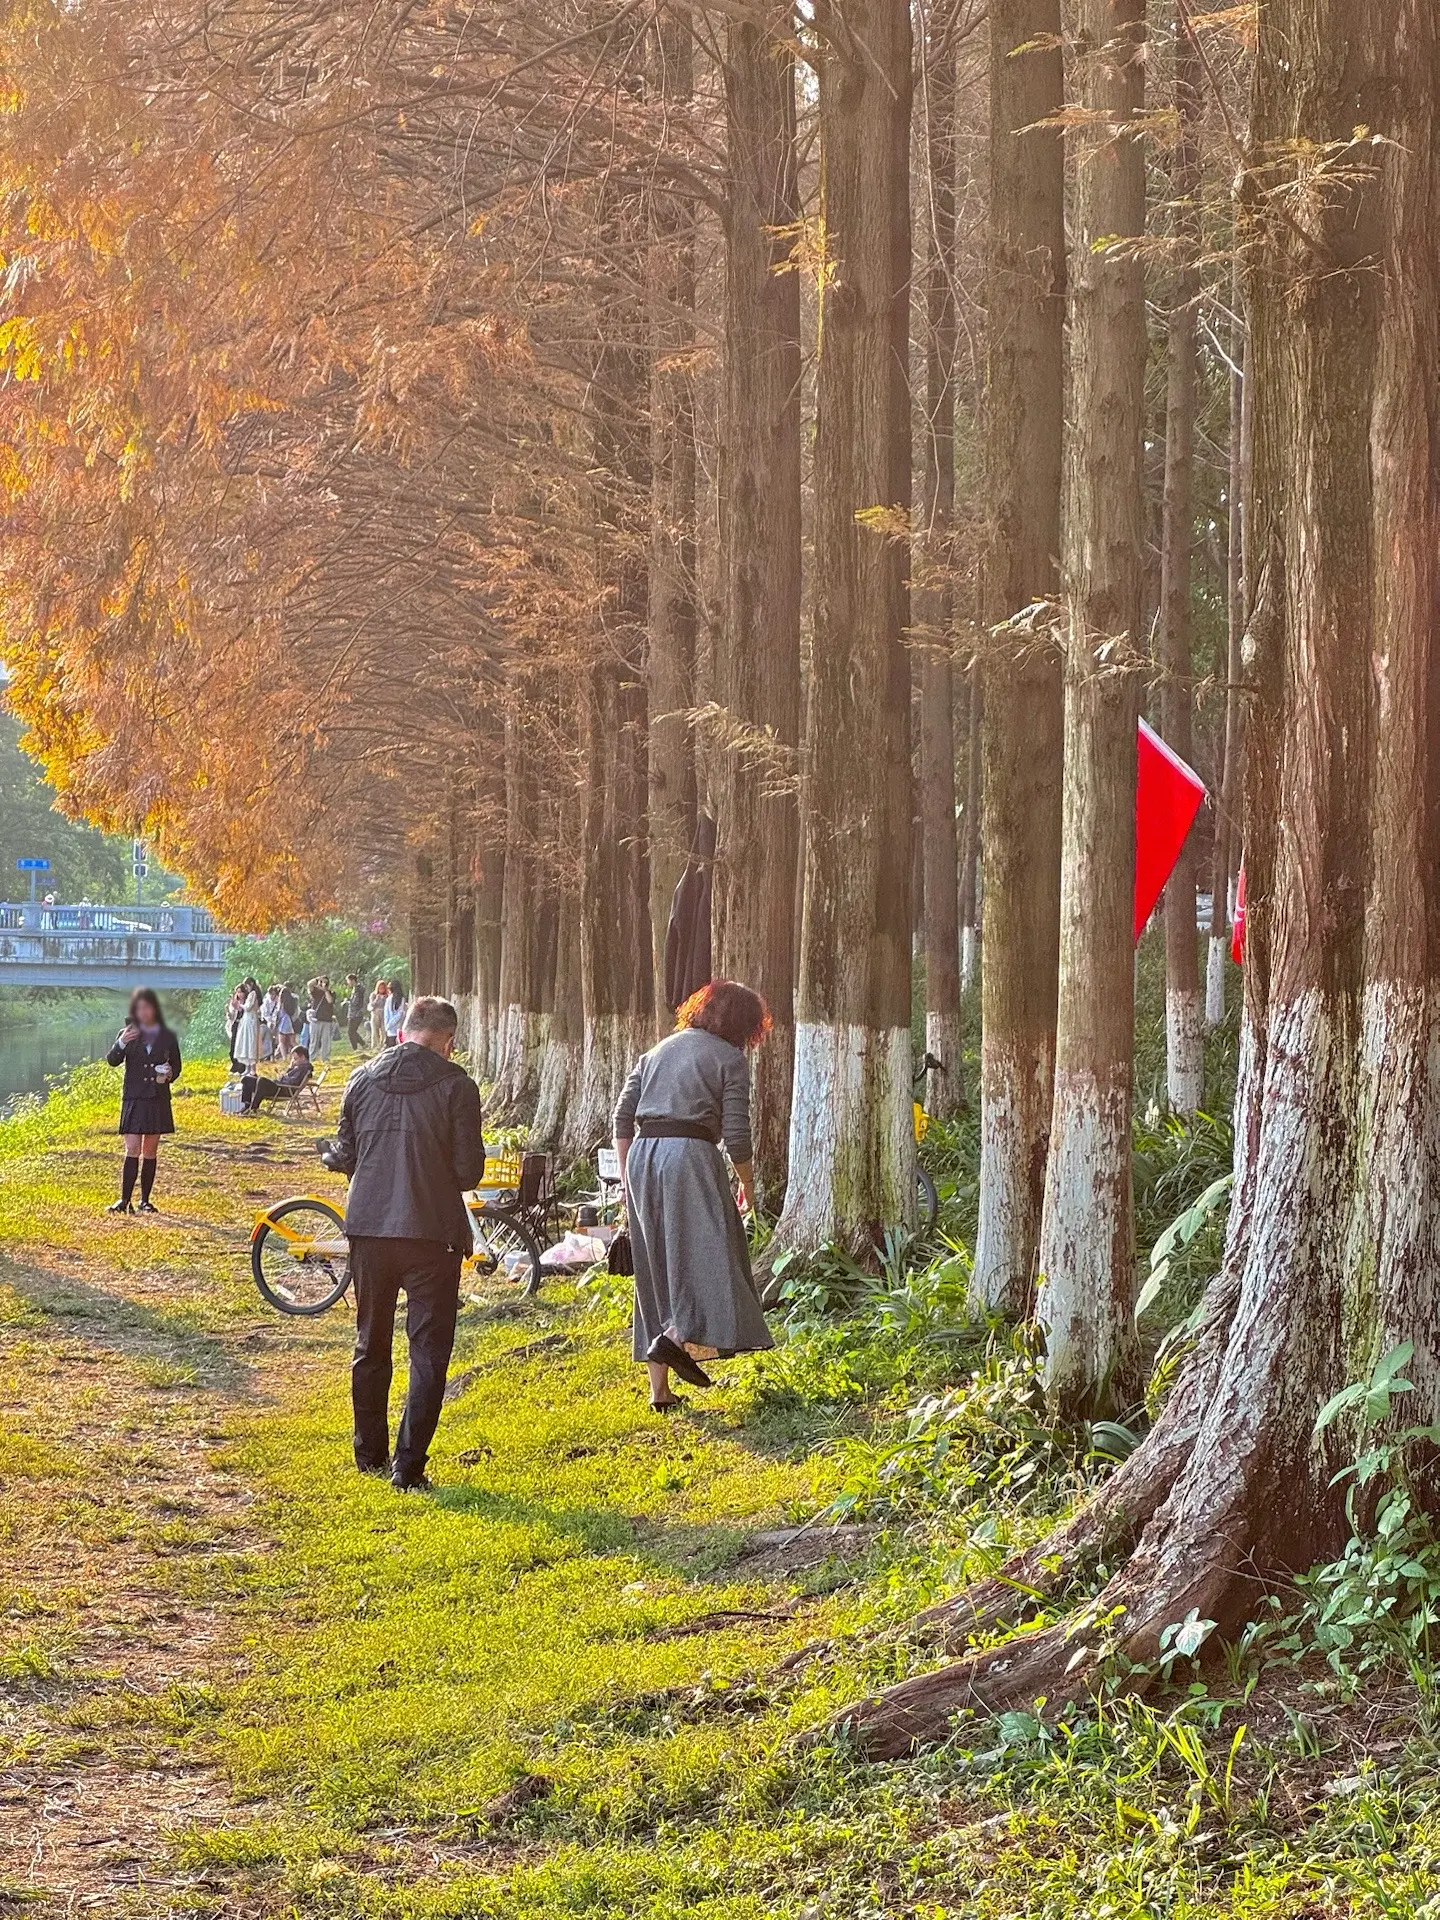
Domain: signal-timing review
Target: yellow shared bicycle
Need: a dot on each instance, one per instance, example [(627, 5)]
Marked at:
[(300, 1256)]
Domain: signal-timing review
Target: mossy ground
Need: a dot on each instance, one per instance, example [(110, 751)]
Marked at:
[(238, 1680)]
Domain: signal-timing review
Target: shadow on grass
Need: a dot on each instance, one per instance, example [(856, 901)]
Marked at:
[(129, 1330)]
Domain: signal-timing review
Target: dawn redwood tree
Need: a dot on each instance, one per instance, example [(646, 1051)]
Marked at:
[(520, 1036), (1023, 721), (852, 1148), (1227, 826), (934, 601), (1330, 1258), (670, 656), (756, 668), (1086, 1236), (616, 958), (1184, 1009)]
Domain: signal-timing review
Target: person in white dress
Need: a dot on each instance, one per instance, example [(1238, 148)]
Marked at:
[(248, 1027)]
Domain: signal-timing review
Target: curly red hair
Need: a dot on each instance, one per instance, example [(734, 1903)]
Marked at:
[(730, 1011)]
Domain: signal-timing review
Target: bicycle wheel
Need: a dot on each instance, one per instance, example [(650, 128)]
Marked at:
[(301, 1258), (504, 1245), (927, 1200)]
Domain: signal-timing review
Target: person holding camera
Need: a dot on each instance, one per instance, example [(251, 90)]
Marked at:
[(150, 1054)]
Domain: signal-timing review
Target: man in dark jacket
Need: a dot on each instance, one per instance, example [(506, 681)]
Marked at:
[(410, 1140)]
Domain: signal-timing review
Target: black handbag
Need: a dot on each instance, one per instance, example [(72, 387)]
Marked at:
[(621, 1263)]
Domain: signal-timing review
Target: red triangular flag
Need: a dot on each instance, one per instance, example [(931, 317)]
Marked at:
[(1237, 929), (1168, 795)]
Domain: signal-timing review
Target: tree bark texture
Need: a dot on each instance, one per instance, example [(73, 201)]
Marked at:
[(1331, 1255), (520, 1035), (427, 926), (616, 955), (670, 659), (852, 1148), (488, 874), (1227, 821), (934, 609), (1023, 721), (1184, 1007), (757, 645), (1086, 1241)]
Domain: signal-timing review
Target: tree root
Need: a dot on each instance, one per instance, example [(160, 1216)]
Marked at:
[(1060, 1661)]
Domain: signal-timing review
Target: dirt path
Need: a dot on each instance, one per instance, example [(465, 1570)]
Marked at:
[(123, 1532)]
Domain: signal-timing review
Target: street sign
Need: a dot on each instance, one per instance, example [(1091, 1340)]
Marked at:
[(32, 866)]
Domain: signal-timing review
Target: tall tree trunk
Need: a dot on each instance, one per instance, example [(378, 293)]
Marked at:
[(852, 1147), (968, 903), (935, 601), (616, 956), (1023, 722), (459, 982), (489, 870), (562, 1063), (427, 926), (520, 1036), (1331, 1255), (1086, 1239), (757, 644), (1184, 1022), (670, 658), (1227, 822)]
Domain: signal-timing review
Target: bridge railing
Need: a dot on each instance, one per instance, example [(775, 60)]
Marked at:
[(33, 916), (39, 943)]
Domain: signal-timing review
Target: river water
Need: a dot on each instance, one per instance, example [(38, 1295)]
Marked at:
[(31, 1054)]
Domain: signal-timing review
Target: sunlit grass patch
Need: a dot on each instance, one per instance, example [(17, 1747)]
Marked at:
[(557, 1686)]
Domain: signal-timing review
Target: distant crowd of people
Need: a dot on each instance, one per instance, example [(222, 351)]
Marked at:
[(273, 1025)]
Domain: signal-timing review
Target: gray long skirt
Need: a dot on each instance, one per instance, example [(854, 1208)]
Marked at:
[(692, 1263)]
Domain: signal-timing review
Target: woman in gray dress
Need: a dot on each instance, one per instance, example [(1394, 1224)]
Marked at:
[(694, 1295)]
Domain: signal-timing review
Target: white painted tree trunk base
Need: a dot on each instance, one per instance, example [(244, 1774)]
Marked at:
[(967, 958), (852, 1138), (945, 1039), (469, 1032), (1015, 1098), (560, 1069), (1086, 1256), (1215, 956), (613, 1043), (519, 1045), (1184, 1049)]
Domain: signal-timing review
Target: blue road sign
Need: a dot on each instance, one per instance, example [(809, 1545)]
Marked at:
[(33, 866)]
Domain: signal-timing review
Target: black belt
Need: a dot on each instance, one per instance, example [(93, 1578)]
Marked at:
[(675, 1130)]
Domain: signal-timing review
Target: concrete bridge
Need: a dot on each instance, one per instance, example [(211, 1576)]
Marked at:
[(119, 947)]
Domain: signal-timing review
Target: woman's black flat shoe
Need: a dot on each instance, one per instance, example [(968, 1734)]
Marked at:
[(147, 1206), (119, 1206), (667, 1406), (665, 1352)]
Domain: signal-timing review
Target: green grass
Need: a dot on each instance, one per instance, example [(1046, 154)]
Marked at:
[(520, 1697)]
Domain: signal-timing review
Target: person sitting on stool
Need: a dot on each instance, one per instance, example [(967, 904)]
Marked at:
[(255, 1087), (409, 1138)]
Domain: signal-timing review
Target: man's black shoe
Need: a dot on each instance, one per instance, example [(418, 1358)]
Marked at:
[(419, 1485), (666, 1352), (378, 1469)]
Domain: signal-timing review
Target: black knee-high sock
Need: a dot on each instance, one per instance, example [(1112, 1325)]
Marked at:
[(127, 1176), (147, 1177)]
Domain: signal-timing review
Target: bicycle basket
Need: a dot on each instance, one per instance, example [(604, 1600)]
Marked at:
[(502, 1172)]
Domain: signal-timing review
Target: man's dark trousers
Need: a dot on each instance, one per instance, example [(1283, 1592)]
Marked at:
[(429, 1276)]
